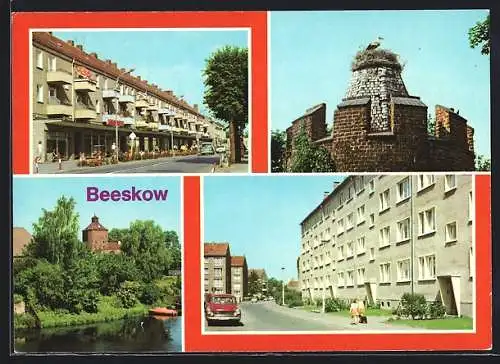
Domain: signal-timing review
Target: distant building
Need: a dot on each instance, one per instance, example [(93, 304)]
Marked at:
[(95, 236), (293, 285), (261, 273), (217, 268), (239, 277), (20, 238)]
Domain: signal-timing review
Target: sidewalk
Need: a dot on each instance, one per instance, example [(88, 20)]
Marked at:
[(233, 168)]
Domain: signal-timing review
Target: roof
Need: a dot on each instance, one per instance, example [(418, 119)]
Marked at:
[(20, 238), (65, 48), (95, 225), (293, 283), (260, 272), (310, 111), (408, 101), (216, 249), (354, 102), (237, 261)]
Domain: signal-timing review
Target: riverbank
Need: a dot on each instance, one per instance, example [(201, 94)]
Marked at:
[(108, 309)]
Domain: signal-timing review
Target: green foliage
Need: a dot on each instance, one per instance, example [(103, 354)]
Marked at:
[(335, 305), (17, 298), (479, 35), (24, 320), (278, 146), (113, 270), (174, 248), (431, 125), (413, 306), (226, 84), (308, 157), (293, 298), (127, 294), (483, 163), (436, 310), (253, 283), (150, 293)]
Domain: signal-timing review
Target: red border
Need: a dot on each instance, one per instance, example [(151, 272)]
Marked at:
[(22, 22), (196, 342)]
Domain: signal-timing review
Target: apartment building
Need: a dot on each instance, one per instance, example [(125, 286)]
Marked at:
[(81, 104), (217, 268), (239, 277), (377, 237)]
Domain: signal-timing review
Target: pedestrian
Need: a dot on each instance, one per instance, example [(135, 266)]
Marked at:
[(362, 312), (354, 312)]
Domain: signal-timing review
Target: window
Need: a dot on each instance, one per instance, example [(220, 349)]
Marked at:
[(340, 226), (340, 252), (218, 272), (403, 230), (350, 249), (450, 182), (427, 221), (206, 273), (98, 81), (97, 106), (372, 254), (451, 232), (340, 279), (52, 94), (427, 267), (372, 220), (424, 181), (471, 207), (385, 272), (404, 189), (341, 199), (360, 276), (360, 245), (51, 64), (384, 236), (350, 193), (39, 93), (350, 221), (384, 200), (350, 278), (371, 186), (39, 60), (472, 263), (403, 270), (361, 214), (218, 262)]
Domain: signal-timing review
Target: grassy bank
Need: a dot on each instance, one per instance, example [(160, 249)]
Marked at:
[(346, 313), (108, 309), (450, 323)]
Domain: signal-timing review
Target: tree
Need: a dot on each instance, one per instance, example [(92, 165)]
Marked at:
[(55, 236), (278, 146), (479, 35), (174, 249), (253, 283), (483, 163), (431, 125), (226, 91), (113, 270), (308, 157)]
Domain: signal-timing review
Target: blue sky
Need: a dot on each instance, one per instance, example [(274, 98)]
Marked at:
[(260, 216), (311, 54), (173, 60), (30, 195)]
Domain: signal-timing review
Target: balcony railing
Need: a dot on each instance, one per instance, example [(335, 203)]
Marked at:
[(127, 120), (85, 113), (141, 103), (126, 98), (83, 84), (59, 76), (59, 109), (110, 94)]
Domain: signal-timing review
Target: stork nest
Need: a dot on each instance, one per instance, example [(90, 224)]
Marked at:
[(376, 58)]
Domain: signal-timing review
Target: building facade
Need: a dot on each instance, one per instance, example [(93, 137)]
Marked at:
[(378, 237), (239, 277), (20, 238), (95, 236), (81, 104), (379, 126), (217, 268)]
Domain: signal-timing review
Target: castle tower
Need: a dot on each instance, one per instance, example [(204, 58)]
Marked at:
[(95, 236)]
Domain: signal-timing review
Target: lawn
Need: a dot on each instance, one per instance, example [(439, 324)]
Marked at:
[(452, 323), (369, 311)]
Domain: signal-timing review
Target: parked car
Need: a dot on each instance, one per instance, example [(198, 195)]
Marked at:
[(221, 307), (206, 149)]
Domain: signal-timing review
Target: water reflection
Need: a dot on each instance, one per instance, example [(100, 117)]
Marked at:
[(139, 334)]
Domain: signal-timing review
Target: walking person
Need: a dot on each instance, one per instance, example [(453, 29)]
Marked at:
[(354, 312), (362, 312)]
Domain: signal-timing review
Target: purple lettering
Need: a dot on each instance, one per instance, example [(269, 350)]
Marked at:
[(160, 194), (148, 197), (92, 194), (104, 195), (115, 195), (126, 195), (135, 194)]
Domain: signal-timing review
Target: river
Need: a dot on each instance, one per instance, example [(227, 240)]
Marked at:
[(154, 335)]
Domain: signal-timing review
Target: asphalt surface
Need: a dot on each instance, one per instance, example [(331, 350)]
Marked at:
[(185, 164), (269, 316)]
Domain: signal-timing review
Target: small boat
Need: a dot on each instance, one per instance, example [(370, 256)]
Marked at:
[(162, 311)]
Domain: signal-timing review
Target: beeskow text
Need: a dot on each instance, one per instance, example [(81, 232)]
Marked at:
[(132, 194)]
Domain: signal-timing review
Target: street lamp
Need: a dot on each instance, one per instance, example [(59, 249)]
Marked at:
[(116, 121), (283, 287)]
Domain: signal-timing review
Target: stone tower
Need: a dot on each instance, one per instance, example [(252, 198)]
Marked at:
[(95, 236)]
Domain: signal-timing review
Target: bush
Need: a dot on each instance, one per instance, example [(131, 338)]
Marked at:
[(24, 320), (335, 305), (127, 294), (150, 294), (436, 310), (413, 305), (17, 298)]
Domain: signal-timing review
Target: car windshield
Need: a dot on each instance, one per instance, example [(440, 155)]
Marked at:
[(223, 300)]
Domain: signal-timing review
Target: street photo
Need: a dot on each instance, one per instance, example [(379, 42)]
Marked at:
[(139, 101), (339, 253), (380, 91), (96, 265)]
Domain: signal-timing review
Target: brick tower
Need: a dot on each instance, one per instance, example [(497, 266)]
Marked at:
[(95, 236)]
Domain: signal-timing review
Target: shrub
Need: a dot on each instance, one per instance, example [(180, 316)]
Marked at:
[(127, 294), (150, 294), (436, 310), (335, 305), (413, 305), (24, 320), (17, 298)]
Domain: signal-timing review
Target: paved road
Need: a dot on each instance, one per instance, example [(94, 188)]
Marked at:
[(184, 164)]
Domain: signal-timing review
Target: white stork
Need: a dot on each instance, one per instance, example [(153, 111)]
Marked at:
[(374, 44)]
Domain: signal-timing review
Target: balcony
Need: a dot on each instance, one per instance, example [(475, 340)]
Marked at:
[(141, 124), (178, 116), (126, 99), (126, 120), (153, 126), (86, 85), (59, 109), (141, 103), (163, 127), (59, 76), (152, 107), (162, 110), (85, 112), (110, 94)]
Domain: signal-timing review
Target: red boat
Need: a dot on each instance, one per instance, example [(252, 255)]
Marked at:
[(162, 311)]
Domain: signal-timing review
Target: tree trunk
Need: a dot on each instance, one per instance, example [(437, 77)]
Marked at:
[(235, 142)]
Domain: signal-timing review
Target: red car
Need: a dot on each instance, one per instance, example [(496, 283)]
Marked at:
[(221, 307)]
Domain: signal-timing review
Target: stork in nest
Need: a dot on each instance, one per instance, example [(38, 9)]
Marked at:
[(374, 44)]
